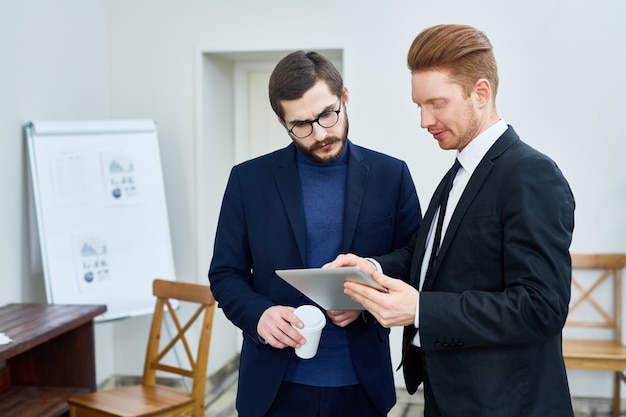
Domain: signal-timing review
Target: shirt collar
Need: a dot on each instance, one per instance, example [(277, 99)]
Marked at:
[(474, 152)]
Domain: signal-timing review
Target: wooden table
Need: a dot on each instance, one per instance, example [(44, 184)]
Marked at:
[(51, 357)]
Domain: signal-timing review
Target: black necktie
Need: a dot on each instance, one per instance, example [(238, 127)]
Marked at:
[(443, 202)]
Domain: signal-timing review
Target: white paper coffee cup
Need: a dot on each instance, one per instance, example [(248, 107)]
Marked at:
[(314, 321)]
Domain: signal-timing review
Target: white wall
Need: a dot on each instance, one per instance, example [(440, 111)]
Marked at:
[(562, 87), (55, 65)]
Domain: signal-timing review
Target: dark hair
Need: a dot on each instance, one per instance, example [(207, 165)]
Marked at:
[(461, 50), (296, 73)]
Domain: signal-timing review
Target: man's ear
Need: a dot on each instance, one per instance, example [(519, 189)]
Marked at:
[(346, 95), (482, 88)]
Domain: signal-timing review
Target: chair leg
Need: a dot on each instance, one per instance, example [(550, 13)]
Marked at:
[(616, 394)]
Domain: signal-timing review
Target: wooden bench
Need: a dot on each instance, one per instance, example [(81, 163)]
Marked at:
[(589, 353)]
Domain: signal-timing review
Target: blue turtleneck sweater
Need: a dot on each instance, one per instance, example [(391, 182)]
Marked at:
[(323, 192)]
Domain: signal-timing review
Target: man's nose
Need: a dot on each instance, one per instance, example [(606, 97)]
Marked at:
[(426, 119), (319, 133)]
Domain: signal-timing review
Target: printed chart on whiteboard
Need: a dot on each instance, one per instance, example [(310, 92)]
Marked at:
[(101, 215)]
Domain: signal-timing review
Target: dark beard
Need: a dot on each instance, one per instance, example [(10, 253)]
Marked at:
[(309, 151)]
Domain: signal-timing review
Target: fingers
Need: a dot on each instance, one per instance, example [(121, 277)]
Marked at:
[(342, 318), (361, 293), (394, 308), (385, 280), (275, 327), (347, 259)]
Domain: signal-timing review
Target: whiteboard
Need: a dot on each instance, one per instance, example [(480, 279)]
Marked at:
[(101, 215)]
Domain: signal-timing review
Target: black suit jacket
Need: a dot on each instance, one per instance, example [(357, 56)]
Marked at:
[(261, 228), (492, 313)]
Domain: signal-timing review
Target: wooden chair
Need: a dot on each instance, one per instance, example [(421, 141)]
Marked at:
[(594, 354), (150, 398)]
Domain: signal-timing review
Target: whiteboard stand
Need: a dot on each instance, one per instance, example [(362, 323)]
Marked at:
[(101, 213)]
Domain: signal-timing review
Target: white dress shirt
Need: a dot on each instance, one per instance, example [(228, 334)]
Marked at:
[(469, 159)]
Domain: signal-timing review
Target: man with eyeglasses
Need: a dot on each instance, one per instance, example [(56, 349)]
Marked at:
[(299, 207)]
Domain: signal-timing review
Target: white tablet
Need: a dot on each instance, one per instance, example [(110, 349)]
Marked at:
[(325, 286)]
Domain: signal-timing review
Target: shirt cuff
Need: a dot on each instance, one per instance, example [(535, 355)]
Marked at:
[(376, 264), (417, 314), (416, 340)]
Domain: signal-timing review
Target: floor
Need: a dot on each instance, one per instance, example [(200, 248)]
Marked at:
[(221, 402)]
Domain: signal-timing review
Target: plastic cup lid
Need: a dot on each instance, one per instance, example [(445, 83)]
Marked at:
[(311, 316)]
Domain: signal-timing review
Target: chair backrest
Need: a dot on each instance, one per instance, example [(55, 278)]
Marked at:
[(196, 365), (606, 267)]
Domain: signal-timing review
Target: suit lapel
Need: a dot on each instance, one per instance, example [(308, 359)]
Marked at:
[(422, 234), (480, 175), (289, 188), (356, 180)]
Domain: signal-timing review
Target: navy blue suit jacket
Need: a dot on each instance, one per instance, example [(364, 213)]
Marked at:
[(492, 313), (261, 228)]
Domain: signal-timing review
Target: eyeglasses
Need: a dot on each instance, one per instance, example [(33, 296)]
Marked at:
[(305, 128)]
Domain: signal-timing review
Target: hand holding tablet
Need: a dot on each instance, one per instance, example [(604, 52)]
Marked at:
[(325, 285)]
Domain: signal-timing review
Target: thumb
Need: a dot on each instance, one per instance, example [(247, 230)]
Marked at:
[(386, 281)]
